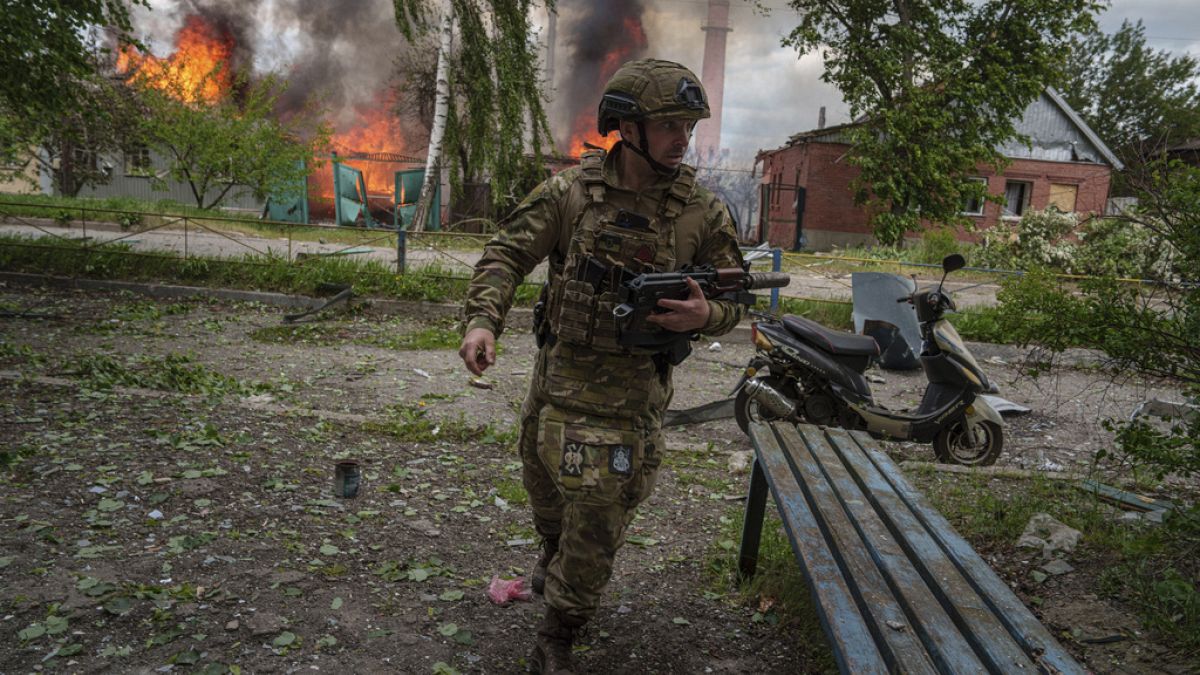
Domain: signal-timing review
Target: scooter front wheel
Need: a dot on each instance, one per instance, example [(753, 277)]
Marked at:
[(954, 444), (745, 410)]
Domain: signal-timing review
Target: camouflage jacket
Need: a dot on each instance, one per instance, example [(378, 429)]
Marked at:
[(541, 227)]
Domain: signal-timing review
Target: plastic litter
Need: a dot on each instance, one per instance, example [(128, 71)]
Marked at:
[(504, 591)]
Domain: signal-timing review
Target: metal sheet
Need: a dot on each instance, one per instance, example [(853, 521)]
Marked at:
[(875, 295)]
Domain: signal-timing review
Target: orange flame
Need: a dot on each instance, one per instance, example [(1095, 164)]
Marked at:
[(584, 127), (197, 72)]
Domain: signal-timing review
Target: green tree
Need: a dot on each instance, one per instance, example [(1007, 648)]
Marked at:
[(1139, 100), (234, 143), (938, 85), (49, 55), (1150, 330), (500, 129)]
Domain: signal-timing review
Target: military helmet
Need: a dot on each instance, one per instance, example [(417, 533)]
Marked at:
[(649, 89)]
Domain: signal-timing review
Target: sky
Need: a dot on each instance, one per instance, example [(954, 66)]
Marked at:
[(771, 91)]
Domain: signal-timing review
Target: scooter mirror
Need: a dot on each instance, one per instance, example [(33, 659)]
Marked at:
[(953, 262)]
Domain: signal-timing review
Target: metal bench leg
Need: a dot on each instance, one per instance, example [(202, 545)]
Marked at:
[(756, 505)]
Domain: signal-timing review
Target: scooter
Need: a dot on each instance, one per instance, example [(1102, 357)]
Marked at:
[(805, 372)]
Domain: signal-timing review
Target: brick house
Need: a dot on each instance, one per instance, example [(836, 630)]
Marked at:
[(807, 201)]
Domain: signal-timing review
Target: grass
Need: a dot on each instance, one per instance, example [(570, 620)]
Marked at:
[(137, 214), (174, 372), (512, 491), (777, 591), (1151, 568), (265, 273)]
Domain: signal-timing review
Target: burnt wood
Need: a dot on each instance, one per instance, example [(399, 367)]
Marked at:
[(896, 589)]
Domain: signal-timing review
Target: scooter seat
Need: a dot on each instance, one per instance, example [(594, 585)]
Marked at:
[(831, 341)]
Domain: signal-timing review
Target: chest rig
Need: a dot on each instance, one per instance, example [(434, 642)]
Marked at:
[(607, 245)]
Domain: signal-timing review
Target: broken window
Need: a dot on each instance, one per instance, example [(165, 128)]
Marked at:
[(1063, 196), (137, 161), (1016, 197), (973, 205)]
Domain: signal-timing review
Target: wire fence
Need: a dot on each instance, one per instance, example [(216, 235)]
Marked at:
[(439, 255)]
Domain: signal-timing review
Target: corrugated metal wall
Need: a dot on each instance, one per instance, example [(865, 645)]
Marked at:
[(139, 187), (1053, 136)]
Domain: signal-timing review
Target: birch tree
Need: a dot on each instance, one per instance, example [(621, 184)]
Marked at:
[(500, 128)]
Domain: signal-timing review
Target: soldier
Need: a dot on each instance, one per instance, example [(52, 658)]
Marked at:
[(591, 425)]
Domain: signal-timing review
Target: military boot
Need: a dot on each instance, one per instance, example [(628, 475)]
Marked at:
[(537, 581), (552, 648)]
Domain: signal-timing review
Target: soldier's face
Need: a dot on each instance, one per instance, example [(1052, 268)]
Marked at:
[(667, 139)]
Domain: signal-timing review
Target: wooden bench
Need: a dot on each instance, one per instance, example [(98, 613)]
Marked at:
[(897, 590)]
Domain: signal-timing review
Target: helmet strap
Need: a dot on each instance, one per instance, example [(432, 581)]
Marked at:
[(644, 152)]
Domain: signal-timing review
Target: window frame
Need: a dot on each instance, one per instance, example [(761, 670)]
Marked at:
[(982, 200)]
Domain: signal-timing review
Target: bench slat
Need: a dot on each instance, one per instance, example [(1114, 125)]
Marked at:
[(987, 635), (853, 646), (1021, 622), (857, 527)]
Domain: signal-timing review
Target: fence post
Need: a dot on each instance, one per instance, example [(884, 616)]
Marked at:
[(776, 266), (401, 249), (185, 237)]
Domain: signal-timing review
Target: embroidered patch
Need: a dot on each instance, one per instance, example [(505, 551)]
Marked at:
[(572, 460), (645, 254), (620, 459)]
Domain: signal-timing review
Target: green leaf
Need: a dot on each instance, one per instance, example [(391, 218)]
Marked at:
[(639, 540), (326, 642), (464, 637), (330, 549), (32, 631), (6, 561), (284, 639), (119, 605), (336, 604), (448, 629), (680, 621), (187, 658), (451, 596), (56, 625), (192, 473), (110, 504), (70, 650), (443, 668), (418, 574)]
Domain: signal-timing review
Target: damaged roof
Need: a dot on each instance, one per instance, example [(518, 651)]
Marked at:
[(1055, 132)]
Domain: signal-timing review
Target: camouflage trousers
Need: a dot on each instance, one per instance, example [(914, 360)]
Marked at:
[(591, 444)]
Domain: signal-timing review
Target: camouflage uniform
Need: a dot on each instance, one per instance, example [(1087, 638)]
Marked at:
[(591, 425)]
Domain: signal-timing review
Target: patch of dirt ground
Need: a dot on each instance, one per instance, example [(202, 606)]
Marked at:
[(149, 530)]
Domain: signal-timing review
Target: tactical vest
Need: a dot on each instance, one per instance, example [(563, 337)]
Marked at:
[(602, 250)]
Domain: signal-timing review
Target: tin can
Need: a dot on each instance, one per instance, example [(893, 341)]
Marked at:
[(346, 479)]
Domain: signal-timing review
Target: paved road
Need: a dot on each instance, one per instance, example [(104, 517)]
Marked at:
[(810, 282)]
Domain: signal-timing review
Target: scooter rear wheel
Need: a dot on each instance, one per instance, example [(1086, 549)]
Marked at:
[(742, 405), (954, 445)]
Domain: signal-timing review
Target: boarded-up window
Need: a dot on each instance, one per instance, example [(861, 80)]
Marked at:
[(1063, 196)]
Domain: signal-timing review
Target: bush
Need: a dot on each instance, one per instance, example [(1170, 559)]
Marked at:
[(1123, 248)]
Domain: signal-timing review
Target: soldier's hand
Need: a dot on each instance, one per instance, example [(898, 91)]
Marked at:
[(478, 350), (685, 315)]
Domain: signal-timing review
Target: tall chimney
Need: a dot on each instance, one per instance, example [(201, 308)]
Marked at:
[(708, 136)]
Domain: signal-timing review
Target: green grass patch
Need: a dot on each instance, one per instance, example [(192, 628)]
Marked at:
[(834, 314), (412, 423), (174, 372), (777, 592), (433, 283), (513, 492), (1153, 568), (442, 336)]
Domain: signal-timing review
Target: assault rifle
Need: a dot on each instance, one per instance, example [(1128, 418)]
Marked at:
[(640, 295)]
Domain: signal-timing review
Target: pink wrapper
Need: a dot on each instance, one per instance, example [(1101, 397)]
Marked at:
[(504, 591)]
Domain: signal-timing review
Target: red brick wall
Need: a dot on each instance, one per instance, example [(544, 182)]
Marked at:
[(831, 217)]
